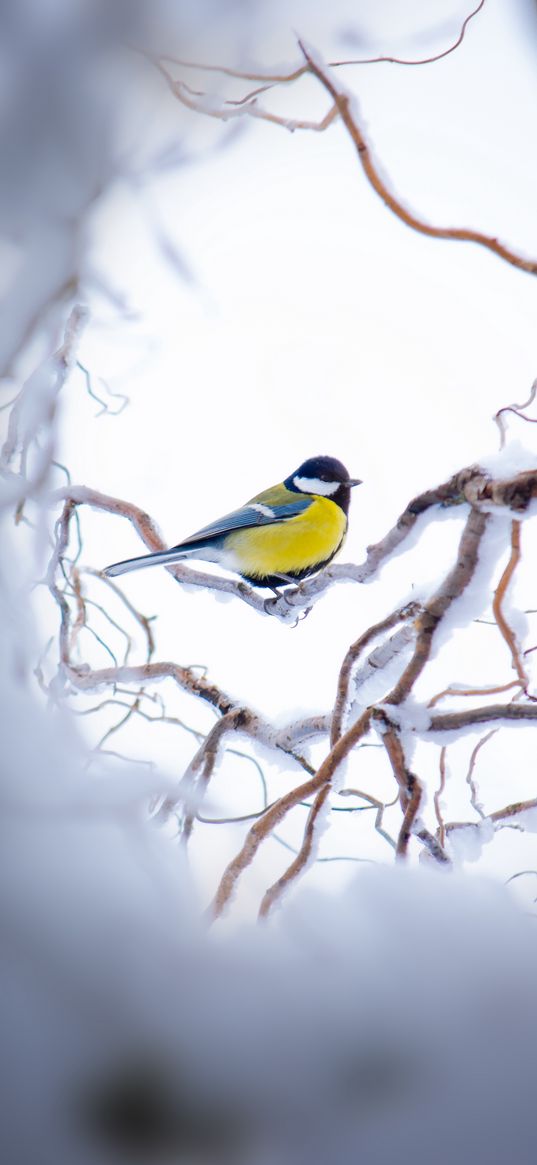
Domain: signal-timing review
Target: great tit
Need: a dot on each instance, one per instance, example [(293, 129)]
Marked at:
[(280, 536)]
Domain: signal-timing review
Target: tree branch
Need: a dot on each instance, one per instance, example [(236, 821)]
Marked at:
[(346, 104), (472, 717)]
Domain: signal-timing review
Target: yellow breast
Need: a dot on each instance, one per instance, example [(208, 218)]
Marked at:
[(290, 547)]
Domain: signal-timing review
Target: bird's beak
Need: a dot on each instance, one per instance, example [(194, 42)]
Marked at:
[(354, 481)]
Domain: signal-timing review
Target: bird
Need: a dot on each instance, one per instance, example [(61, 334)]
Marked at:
[(281, 535)]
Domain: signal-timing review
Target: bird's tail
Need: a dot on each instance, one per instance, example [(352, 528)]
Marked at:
[(160, 558)]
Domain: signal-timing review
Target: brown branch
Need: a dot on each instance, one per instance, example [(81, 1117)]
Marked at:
[(203, 763), (353, 652), (380, 806), (34, 411), (472, 692), (298, 866), (517, 411), (147, 530), (347, 109), (142, 620), (273, 79), (471, 718), (432, 613), (421, 60), (262, 828), (471, 484), (438, 794), (434, 609), (381, 657), (497, 606), (410, 788), (306, 729), (498, 816), (409, 819), (513, 810), (197, 103)]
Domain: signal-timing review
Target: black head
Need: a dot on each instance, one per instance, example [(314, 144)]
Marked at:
[(326, 476)]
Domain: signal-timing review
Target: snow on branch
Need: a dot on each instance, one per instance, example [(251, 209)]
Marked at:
[(404, 640), (347, 108), (271, 80)]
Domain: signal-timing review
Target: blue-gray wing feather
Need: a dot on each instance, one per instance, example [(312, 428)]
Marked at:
[(244, 518)]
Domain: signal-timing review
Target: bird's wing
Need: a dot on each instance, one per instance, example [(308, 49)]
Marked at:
[(254, 514)]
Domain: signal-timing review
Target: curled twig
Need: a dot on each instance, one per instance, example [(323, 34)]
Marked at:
[(346, 105), (354, 651), (517, 410), (299, 865)]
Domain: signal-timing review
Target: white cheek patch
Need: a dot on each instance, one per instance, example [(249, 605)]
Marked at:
[(264, 510), (314, 485)]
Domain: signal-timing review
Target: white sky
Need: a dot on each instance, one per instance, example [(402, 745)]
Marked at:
[(320, 324)]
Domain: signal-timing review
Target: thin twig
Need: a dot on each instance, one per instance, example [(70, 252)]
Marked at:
[(262, 828), (473, 717), (474, 791), (346, 105), (453, 691), (272, 79), (497, 606)]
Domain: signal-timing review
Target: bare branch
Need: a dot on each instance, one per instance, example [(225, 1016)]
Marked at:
[(262, 828), (33, 412), (462, 691), (203, 763), (513, 810), (380, 806), (471, 484), (474, 791), (272, 79), (438, 795), (410, 788), (346, 105), (199, 103), (434, 609), (299, 865), (497, 607)]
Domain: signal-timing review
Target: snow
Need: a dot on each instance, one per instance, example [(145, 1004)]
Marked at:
[(107, 973), (393, 1017)]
